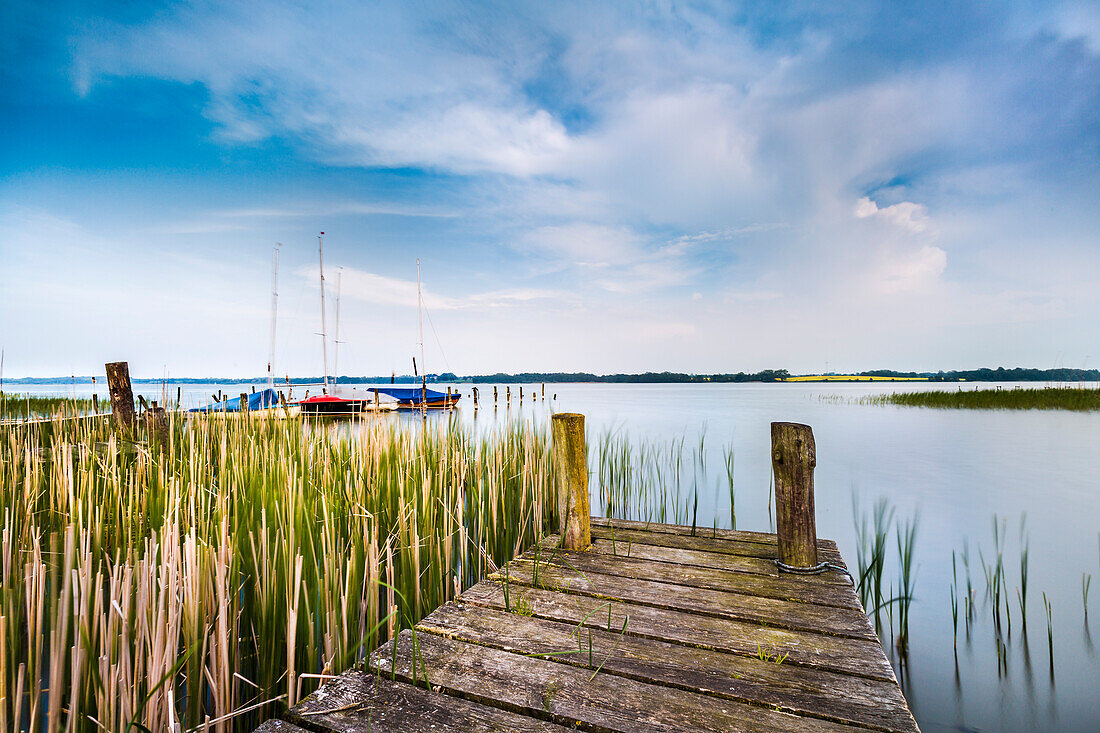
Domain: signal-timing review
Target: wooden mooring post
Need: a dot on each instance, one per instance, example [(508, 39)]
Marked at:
[(794, 457), (122, 394), (156, 423), (571, 466), (243, 407)]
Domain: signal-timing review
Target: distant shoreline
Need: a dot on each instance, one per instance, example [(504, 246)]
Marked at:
[(999, 374)]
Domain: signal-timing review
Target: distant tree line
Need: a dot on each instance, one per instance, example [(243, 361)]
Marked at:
[(1000, 374)]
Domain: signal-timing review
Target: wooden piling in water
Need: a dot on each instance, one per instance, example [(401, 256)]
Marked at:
[(243, 407), (122, 394), (95, 404), (794, 456), (570, 455)]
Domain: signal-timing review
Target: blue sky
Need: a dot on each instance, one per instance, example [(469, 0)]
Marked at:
[(600, 187)]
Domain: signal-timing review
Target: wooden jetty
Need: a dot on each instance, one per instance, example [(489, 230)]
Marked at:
[(636, 627)]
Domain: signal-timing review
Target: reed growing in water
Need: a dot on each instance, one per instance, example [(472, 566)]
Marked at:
[(21, 406), (214, 578), (1045, 398)]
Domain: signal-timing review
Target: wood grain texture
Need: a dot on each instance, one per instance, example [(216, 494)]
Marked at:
[(737, 535), (358, 702), (785, 586), (812, 692), (648, 629), (705, 542), (862, 657), (849, 622), (570, 453), (573, 696), (122, 394), (720, 561), (794, 457)]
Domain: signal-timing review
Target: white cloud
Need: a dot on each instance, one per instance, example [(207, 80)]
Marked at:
[(371, 287), (906, 214)]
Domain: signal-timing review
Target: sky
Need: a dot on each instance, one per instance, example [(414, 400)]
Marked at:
[(604, 187)]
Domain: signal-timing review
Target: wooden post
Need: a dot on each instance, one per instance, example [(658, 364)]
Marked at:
[(122, 394), (508, 396), (544, 390), (244, 402), (521, 395), (794, 457), (494, 395), (156, 424), (571, 467), (95, 404), (179, 397), (448, 402), (375, 399)]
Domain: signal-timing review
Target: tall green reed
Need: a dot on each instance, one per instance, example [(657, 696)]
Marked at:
[(219, 575)]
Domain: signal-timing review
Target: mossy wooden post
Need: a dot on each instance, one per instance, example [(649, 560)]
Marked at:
[(243, 407), (122, 394), (156, 423), (571, 467), (794, 457)]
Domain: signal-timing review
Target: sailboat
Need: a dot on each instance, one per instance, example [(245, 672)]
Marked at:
[(267, 402), (421, 398), (328, 403)]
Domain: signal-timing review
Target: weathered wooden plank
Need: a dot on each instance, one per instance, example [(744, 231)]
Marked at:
[(279, 726), (862, 657), (358, 702), (566, 694), (787, 587), (737, 535), (704, 542), (815, 693), (848, 622), (699, 558)]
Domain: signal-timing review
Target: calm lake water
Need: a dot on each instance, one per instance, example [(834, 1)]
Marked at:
[(955, 469)]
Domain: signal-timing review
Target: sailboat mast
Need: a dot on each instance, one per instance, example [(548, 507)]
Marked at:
[(420, 327), (274, 312), (324, 333), (336, 337)]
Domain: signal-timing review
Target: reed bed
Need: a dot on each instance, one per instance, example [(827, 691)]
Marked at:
[(21, 406), (206, 582), (1080, 399)]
